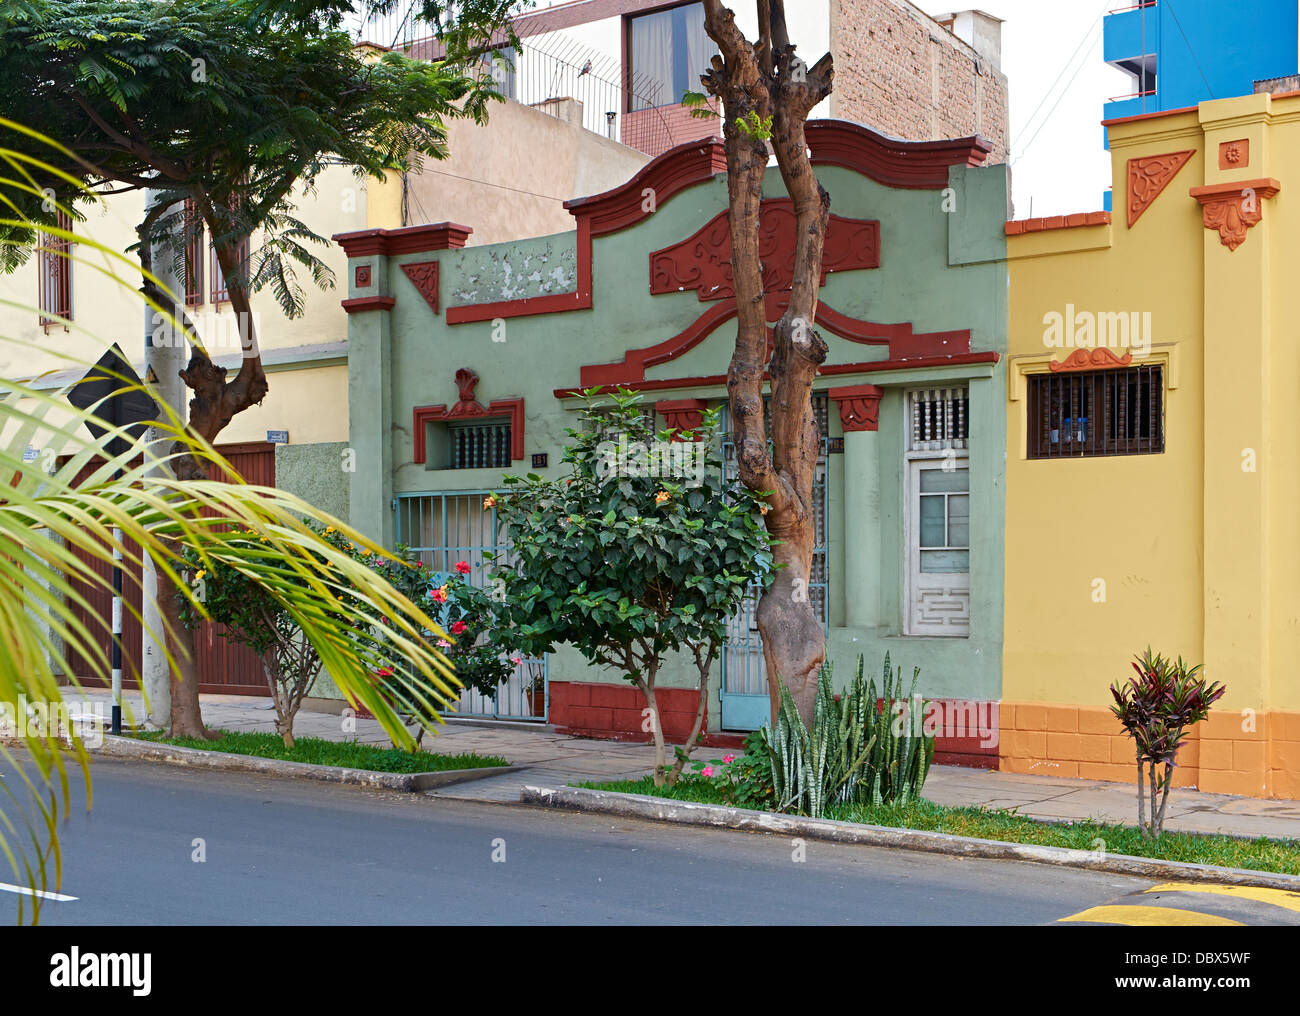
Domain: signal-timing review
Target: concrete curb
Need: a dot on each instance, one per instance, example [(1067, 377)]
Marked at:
[(717, 816), (131, 748)]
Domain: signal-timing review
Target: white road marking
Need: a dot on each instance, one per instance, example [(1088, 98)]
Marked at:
[(22, 890)]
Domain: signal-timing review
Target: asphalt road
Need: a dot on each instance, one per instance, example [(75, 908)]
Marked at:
[(289, 852)]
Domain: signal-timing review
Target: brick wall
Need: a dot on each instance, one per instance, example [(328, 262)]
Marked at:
[(900, 73)]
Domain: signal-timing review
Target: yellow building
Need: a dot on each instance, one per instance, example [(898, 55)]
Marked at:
[(1153, 475)]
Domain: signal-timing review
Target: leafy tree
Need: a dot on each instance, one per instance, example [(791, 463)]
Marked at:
[(1156, 707), (231, 104), (766, 93), (56, 530), (641, 551)]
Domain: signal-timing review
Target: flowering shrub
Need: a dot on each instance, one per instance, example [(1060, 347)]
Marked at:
[(290, 662), (465, 611), (743, 780)]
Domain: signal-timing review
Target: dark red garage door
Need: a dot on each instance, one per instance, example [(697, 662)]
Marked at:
[(224, 666)]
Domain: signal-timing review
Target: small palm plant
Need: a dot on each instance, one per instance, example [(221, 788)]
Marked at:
[(1156, 707)]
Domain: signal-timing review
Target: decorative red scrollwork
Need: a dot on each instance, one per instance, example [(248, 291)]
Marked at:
[(702, 262), (468, 407), (859, 407), (424, 276), (1150, 175), (1100, 358)]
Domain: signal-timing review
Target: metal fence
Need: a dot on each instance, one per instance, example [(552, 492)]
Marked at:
[(444, 530)]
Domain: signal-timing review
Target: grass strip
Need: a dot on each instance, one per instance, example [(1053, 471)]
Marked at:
[(318, 751), (1261, 854)]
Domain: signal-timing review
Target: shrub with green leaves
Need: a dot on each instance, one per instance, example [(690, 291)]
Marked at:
[(863, 747), (252, 617), (640, 551), (1156, 707)]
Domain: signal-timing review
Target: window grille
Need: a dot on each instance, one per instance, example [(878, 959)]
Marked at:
[(54, 274), (480, 444), (1105, 412), (939, 419)]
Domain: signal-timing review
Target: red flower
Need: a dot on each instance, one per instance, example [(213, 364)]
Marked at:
[(385, 671), (458, 627), (463, 567)]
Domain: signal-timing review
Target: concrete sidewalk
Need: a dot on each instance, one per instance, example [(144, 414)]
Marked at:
[(556, 760)]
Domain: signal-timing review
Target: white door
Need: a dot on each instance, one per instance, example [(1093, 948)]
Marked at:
[(938, 538)]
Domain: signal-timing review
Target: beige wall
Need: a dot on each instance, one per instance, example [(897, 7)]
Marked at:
[(900, 73), (510, 179)]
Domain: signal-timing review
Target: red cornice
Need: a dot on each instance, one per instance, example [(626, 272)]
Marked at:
[(912, 165), (1017, 227), (674, 171), (869, 367), (903, 342), (407, 240), (361, 303), (859, 407)]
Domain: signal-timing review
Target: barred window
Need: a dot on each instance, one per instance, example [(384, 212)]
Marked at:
[(1104, 412), (193, 255), (54, 274), (481, 444), (939, 419)]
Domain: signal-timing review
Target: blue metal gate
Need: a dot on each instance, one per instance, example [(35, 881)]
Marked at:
[(744, 692), (443, 530)]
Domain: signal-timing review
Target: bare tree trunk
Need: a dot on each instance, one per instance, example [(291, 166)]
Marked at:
[(765, 80), (647, 686), (185, 716), (702, 666), (1164, 799)]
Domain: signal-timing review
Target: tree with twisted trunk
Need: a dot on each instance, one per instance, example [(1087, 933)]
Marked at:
[(232, 106), (767, 92)]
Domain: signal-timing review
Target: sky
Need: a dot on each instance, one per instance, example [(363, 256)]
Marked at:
[(1051, 55)]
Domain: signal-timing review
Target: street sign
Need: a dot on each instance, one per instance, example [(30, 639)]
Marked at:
[(124, 407), (277, 437)]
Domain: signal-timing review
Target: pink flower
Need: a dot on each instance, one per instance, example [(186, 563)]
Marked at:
[(516, 660), (463, 567), (444, 644), (438, 595), (728, 759), (707, 770), (385, 671)]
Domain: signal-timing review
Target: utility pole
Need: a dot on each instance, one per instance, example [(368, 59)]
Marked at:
[(164, 350)]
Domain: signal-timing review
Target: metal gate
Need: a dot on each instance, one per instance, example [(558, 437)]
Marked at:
[(745, 701), (443, 530)]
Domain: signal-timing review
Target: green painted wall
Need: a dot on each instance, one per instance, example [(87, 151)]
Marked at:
[(943, 268)]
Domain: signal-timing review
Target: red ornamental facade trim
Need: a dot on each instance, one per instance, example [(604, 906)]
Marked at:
[(1233, 208), (1148, 177), (683, 415), (468, 408), (424, 276), (1100, 358), (859, 407), (703, 262)]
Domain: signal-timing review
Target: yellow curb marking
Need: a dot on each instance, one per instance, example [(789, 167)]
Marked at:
[(1149, 917), (1277, 897)]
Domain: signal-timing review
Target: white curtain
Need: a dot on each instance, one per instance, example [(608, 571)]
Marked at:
[(652, 60)]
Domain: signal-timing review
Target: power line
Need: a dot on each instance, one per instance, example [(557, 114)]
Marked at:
[(1087, 35), (1064, 91)]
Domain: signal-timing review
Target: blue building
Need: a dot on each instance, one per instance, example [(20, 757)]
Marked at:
[(1181, 52)]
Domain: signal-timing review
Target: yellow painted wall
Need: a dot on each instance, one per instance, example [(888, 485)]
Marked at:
[(1198, 547)]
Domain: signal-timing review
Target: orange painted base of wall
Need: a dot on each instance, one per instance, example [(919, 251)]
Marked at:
[(1218, 757)]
